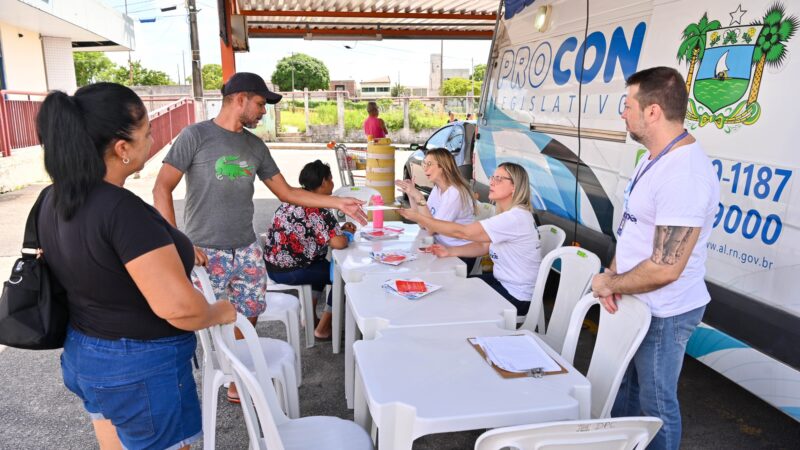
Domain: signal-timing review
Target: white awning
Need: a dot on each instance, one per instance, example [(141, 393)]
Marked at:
[(89, 24)]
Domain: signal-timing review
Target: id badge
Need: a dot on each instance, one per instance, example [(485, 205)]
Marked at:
[(621, 225), (625, 217)]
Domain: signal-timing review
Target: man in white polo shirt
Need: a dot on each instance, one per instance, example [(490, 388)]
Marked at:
[(668, 213)]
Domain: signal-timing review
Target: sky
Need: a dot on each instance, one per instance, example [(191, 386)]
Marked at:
[(164, 44)]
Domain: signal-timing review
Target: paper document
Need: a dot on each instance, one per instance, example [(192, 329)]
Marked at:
[(379, 235), (411, 288), (393, 258), (516, 353), (379, 207)]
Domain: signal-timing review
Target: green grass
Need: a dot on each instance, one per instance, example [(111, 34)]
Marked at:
[(717, 94), (325, 113)]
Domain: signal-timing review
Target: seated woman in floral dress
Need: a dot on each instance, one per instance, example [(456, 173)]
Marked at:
[(297, 242)]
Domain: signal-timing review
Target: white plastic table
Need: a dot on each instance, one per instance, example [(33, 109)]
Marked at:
[(424, 380), (353, 262), (460, 301)]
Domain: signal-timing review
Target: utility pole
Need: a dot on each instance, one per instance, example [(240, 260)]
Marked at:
[(441, 73), (197, 74), (472, 70), (183, 61), (441, 68), (130, 65)]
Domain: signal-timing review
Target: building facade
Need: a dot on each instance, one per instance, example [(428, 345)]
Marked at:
[(348, 86), (38, 38), (379, 87)]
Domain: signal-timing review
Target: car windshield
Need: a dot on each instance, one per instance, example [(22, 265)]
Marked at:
[(451, 138)]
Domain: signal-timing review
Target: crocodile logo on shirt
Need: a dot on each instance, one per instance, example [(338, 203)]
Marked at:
[(229, 166)]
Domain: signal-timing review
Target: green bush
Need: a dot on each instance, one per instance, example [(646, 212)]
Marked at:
[(295, 119)]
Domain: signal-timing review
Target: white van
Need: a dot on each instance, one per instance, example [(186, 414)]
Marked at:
[(552, 99)]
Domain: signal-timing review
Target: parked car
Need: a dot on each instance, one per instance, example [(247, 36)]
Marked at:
[(458, 137)]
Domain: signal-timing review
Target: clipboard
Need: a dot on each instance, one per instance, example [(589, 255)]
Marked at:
[(506, 374)]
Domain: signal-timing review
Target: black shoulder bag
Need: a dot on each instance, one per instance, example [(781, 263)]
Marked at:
[(33, 307)]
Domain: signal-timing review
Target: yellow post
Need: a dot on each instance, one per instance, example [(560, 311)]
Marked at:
[(380, 171)]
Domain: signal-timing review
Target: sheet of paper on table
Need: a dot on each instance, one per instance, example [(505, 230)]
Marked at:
[(411, 289), (380, 235), (519, 353), (393, 258)]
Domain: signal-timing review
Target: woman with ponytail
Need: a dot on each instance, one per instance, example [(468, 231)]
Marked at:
[(126, 272)]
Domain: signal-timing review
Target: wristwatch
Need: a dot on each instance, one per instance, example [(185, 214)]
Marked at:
[(422, 202)]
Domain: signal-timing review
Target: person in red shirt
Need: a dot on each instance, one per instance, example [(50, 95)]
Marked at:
[(373, 125)]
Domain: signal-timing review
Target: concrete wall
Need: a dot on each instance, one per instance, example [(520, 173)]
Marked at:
[(23, 59), (26, 166)]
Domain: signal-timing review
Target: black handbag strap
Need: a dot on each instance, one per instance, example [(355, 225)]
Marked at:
[(30, 243)]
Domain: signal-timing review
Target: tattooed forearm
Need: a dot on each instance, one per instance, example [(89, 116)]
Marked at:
[(670, 243)]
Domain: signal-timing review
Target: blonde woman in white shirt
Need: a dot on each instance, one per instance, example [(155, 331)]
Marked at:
[(450, 200), (510, 237)]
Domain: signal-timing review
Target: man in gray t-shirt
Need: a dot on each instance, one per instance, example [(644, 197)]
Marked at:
[(220, 168), (221, 160)]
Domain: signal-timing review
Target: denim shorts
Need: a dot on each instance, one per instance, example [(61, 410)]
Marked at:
[(145, 388)]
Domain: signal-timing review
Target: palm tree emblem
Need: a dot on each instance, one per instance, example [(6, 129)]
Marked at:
[(770, 46), (724, 62), (693, 46)]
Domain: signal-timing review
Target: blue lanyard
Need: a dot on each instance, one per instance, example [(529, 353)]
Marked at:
[(655, 160)]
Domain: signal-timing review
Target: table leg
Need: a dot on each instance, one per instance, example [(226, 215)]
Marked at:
[(338, 304), (349, 362), (361, 414), (583, 394), (396, 427)]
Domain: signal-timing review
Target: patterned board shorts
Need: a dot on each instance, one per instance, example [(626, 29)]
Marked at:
[(239, 275)]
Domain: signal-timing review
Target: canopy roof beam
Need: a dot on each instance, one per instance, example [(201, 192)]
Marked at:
[(371, 14)]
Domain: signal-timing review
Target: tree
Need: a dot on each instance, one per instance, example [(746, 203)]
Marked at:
[(460, 87), (142, 76), (91, 67), (693, 46), (212, 77), (479, 72), (307, 72), (399, 90), (770, 48)]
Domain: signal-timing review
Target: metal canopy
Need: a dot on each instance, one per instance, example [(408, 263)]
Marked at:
[(369, 19)]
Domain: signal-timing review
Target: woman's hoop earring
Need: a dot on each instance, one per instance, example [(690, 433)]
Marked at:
[(126, 160)]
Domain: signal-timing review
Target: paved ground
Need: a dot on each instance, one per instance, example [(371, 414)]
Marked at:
[(37, 412)]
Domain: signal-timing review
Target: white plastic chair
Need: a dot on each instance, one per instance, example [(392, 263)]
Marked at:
[(267, 426), (618, 338), (285, 308), (624, 433), (578, 266), (216, 373), (307, 312), (551, 237), (304, 297)]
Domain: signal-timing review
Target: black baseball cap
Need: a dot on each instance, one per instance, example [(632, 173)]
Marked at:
[(250, 82)]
